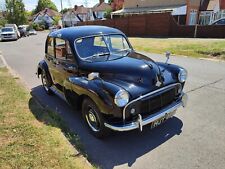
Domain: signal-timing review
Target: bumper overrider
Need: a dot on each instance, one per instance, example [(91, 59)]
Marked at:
[(166, 113)]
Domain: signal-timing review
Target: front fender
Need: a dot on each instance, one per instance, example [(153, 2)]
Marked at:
[(101, 92), (42, 65), (173, 69)]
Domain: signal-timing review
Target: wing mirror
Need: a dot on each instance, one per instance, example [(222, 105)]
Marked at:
[(168, 54), (93, 76)]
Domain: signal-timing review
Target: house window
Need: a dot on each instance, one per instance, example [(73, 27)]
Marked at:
[(205, 17), (193, 17)]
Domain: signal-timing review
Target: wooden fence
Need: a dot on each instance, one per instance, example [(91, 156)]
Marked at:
[(158, 25)]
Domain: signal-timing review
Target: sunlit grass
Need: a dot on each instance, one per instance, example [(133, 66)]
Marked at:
[(31, 137), (207, 48)]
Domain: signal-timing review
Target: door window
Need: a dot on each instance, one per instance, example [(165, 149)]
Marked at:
[(63, 50), (193, 17), (50, 48)]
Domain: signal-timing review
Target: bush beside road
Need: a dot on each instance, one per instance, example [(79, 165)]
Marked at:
[(32, 137), (199, 48)]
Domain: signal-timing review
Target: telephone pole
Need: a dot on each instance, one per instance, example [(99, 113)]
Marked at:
[(62, 12)]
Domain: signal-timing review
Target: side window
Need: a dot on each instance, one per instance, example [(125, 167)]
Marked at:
[(60, 48), (99, 41), (63, 50), (50, 48), (119, 42)]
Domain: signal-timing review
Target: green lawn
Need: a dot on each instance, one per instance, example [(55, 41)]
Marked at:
[(31, 137), (208, 48)]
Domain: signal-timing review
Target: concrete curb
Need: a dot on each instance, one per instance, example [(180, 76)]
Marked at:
[(2, 61)]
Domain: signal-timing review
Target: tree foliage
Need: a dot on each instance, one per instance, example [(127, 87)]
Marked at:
[(110, 1), (108, 13), (15, 12), (65, 10), (3, 21), (42, 4)]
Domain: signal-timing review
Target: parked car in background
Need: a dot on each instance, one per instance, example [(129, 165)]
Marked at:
[(32, 32), (14, 26), (23, 31), (116, 88), (53, 29), (219, 22), (8, 33)]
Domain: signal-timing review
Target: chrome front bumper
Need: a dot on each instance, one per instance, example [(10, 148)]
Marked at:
[(139, 123)]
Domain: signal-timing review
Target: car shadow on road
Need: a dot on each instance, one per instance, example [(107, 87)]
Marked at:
[(117, 149)]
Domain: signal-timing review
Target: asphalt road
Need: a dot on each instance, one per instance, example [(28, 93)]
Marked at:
[(194, 138)]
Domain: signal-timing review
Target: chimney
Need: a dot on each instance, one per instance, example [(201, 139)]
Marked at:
[(101, 1), (75, 7)]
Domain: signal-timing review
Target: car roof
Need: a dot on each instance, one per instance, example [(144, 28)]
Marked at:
[(73, 33), (217, 20)]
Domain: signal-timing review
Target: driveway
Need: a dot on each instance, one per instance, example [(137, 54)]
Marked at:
[(192, 139)]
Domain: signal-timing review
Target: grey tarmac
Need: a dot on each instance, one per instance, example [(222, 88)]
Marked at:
[(194, 138)]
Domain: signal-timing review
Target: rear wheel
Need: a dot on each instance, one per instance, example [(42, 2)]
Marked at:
[(46, 82), (94, 119)]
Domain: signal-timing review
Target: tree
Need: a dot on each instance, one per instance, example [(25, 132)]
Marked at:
[(64, 10), (42, 4), (3, 21), (108, 13), (110, 1), (15, 12)]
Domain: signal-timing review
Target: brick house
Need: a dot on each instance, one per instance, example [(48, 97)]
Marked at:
[(100, 9), (117, 4), (77, 14), (214, 10), (185, 12)]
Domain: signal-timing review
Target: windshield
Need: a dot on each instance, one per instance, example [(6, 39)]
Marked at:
[(98, 47), (7, 29)]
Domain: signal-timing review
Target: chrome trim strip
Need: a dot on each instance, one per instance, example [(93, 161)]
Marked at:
[(146, 95), (140, 123)]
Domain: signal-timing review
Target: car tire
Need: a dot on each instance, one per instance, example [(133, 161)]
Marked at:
[(94, 119), (46, 83)]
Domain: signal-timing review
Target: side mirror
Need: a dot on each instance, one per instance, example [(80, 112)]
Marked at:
[(93, 76), (167, 56)]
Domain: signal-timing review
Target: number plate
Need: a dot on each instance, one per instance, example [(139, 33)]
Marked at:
[(162, 119)]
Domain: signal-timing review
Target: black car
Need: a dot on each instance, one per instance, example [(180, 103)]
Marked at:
[(116, 88)]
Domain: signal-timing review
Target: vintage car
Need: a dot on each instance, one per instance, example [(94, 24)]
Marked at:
[(115, 88)]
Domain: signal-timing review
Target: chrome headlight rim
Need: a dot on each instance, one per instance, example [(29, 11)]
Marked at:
[(121, 98), (182, 75)]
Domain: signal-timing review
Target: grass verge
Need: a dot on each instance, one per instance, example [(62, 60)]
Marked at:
[(199, 48), (31, 137)]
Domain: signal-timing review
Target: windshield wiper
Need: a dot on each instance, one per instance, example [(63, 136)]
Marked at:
[(95, 56)]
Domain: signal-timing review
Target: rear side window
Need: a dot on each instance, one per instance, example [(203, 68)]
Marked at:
[(50, 47), (62, 49)]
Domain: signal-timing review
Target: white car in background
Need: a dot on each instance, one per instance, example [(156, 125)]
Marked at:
[(32, 32), (8, 33)]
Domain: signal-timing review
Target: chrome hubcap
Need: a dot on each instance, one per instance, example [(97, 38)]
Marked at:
[(45, 82), (92, 120)]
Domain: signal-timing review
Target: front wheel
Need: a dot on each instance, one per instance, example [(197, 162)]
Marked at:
[(94, 119), (46, 82)]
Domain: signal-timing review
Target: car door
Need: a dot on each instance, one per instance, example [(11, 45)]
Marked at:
[(65, 62), (50, 57)]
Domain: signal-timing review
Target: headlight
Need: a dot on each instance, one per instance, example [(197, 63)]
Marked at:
[(121, 98), (182, 76)]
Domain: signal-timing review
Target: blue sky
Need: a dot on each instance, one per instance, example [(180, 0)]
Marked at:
[(31, 4)]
